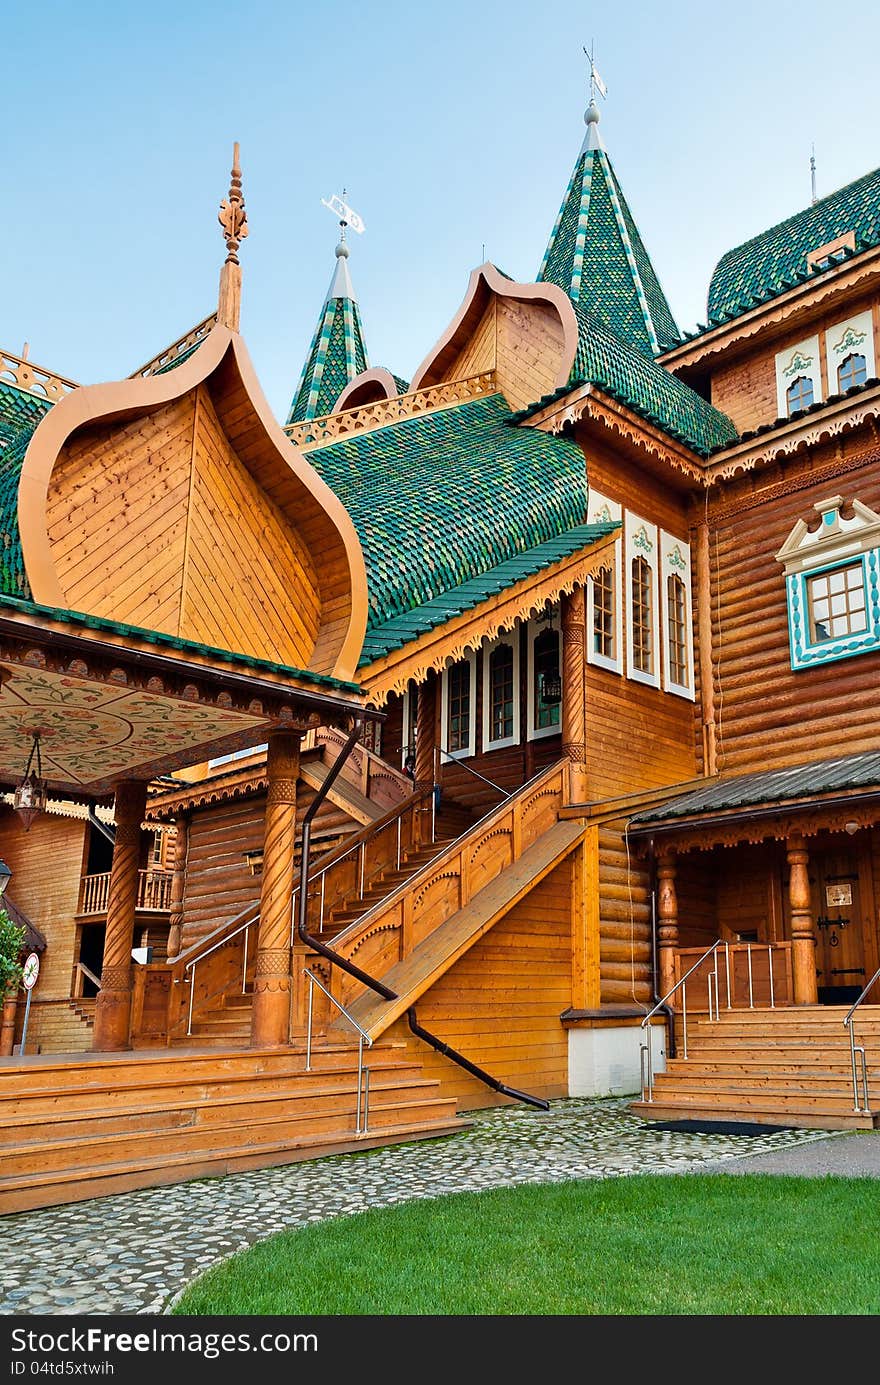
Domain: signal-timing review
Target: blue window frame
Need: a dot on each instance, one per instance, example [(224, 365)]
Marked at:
[(834, 610)]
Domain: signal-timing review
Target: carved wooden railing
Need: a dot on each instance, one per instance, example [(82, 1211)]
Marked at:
[(153, 893), (317, 431), (33, 378), (222, 962), (389, 931), (176, 349), (376, 779)]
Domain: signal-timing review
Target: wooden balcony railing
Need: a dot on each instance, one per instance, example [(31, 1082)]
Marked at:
[(154, 892)]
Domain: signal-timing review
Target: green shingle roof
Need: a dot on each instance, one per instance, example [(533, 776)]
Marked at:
[(20, 412), (776, 260), (444, 497), (596, 254), (840, 775), (642, 385), (398, 631), (338, 351)]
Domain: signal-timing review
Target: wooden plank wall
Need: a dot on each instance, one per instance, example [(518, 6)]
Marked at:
[(46, 865), (158, 523), (522, 342), (479, 355), (625, 943), (219, 882), (499, 1005), (745, 389), (769, 716)]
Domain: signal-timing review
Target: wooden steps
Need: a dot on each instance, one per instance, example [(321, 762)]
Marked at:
[(72, 1129), (60, 1026), (789, 1066)]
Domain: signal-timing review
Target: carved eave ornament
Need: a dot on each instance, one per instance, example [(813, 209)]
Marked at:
[(455, 638), (258, 441), (772, 823), (853, 278), (827, 424)]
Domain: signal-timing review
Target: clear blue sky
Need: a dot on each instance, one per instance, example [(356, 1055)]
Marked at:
[(452, 127)]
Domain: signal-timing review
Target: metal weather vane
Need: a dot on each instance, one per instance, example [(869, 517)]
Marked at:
[(347, 216), (596, 83)]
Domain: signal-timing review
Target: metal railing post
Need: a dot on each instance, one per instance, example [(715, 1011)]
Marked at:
[(192, 991), (727, 972), (309, 1030), (749, 959), (770, 967), (357, 1124), (684, 1019)]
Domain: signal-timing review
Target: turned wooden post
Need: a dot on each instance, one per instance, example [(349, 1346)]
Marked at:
[(425, 726), (803, 939), (178, 881), (270, 1025), (574, 702), (667, 914), (113, 1005), (7, 1025)]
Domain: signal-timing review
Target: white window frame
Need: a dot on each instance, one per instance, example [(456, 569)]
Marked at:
[(470, 749), (600, 508), (800, 359), (675, 560), (854, 336), (510, 638), (640, 540), (408, 722), (533, 630)]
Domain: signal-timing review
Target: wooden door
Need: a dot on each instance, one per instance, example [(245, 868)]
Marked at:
[(841, 924)]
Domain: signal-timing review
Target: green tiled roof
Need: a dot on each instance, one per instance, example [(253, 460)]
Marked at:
[(844, 774), (595, 253), (776, 260), (398, 631), (338, 351), (20, 412), (444, 497), (157, 637), (642, 385)]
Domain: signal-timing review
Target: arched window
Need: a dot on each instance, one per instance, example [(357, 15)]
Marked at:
[(799, 394), (677, 628), (852, 371), (545, 673), (642, 616), (499, 693)]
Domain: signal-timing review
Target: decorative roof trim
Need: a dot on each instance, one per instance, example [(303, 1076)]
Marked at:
[(33, 379), (484, 280), (454, 639), (178, 348), (828, 422), (368, 418), (91, 403)]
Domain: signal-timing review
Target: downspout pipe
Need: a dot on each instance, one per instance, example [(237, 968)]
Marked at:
[(303, 910)]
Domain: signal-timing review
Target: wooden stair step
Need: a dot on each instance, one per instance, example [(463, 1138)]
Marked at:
[(666, 1110)]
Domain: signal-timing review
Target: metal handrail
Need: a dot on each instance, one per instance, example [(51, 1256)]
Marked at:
[(508, 793), (645, 1056), (363, 1038), (194, 962), (859, 1048)]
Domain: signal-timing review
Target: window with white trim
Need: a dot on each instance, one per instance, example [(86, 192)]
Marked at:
[(849, 349), (544, 674), (642, 606), (832, 583), (678, 642), (409, 711), (501, 691), (798, 377), (603, 602), (458, 693)]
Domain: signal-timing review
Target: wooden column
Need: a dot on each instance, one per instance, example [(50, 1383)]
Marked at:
[(178, 881), (270, 1025), (7, 1025), (426, 731), (667, 914), (574, 702), (704, 645), (586, 981), (113, 1006), (803, 939)]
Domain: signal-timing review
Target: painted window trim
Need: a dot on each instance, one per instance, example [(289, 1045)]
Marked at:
[(853, 335), (471, 749), (801, 358), (804, 653), (510, 638), (533, 732), (634, 525), (673, 554), (603, 509)]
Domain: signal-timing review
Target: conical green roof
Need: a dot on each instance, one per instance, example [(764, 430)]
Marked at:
[(338, 351), (596, 255)]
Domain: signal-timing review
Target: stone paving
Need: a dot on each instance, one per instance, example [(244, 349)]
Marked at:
[(133, 1253)]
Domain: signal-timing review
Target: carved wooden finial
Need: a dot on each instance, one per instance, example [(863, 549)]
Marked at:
[(233, 217)]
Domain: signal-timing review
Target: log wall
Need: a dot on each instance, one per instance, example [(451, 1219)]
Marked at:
[(46, 864), (625, 941)]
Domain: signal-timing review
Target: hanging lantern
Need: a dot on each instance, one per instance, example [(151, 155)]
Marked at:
[(551, 689), (31, 795)]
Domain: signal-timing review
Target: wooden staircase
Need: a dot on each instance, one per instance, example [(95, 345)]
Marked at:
[(790, 1066), (81, 1127)]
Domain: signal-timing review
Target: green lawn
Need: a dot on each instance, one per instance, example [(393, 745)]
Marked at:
[(652, 1244)]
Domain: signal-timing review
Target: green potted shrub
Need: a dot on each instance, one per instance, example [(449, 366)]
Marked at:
[(11, 944)]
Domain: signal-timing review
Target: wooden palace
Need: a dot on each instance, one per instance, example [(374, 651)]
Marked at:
[(502, 734)]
